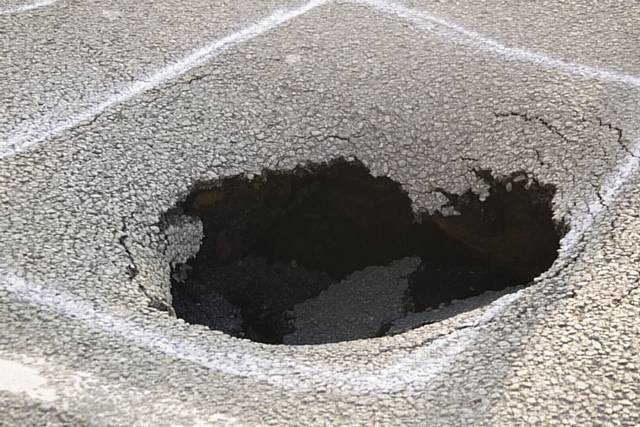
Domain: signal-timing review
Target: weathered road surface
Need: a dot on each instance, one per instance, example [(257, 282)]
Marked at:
[(110, 110)]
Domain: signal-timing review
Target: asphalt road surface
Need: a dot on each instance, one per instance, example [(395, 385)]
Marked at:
[(111, 110)]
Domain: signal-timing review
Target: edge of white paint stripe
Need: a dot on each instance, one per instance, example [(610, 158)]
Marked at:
[(34, 133), (27, 7), (450, 31), (18, 378), (418, 367), (609, 191), (454, 32), (409, 372)]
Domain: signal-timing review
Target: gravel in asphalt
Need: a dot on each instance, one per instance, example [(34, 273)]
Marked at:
[(414, 99)]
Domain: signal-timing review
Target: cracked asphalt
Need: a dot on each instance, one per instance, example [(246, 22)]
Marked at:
[(110, 111)]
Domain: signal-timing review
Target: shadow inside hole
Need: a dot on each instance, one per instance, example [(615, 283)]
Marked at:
[(284, 237)]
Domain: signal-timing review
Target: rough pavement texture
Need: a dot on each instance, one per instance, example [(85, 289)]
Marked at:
[(355, 307), (424, 101), (465, 307)]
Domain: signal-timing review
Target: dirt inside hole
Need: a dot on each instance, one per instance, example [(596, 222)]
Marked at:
[(327, 252)]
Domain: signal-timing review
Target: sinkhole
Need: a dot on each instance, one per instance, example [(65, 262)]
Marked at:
[(328, 252)]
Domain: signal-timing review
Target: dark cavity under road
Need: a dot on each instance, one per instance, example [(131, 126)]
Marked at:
[(285, 236)]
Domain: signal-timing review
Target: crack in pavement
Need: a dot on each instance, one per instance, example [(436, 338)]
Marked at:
[(36, 133), (531, 118), (616, 129), (132, 268)]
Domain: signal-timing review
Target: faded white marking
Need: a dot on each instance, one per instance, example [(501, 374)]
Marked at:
[(218, 420), (613, 182), (457, 33), (26, 7), (609, 191), (17, 378), (35, 132), (409, 372)]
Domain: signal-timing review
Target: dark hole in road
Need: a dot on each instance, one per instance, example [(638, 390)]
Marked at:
[(280, 251)]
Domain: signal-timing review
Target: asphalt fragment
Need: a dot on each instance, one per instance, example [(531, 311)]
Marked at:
[(286, 240)]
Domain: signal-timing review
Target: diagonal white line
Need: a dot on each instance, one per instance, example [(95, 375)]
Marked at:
[(34, 133), (457, 33), (610, 189), (615, 179), (27, 7), (417, 368)]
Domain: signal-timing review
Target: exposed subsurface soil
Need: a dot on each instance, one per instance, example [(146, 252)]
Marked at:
[(285, 236)]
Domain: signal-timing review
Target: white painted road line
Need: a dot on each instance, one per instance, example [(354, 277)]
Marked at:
[(33, 133), (417, 367), (609, 191), (457, 33), (18, 378), (26, 7), (409, 372), (614, 181)]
